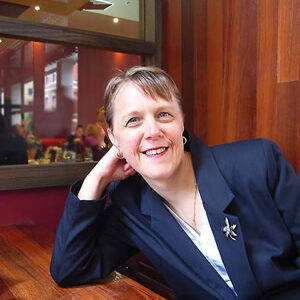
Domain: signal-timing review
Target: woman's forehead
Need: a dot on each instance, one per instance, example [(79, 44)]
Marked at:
[(130, 89)]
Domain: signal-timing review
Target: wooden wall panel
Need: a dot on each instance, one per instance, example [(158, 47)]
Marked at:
[(246, 70), (187, 85), (288, 103), (215, 62), (240, 37), (171, 39), (288, 40), (200, 69), (267, 68)]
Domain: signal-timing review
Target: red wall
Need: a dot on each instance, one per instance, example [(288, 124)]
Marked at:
[(42, 206), (95, 68)]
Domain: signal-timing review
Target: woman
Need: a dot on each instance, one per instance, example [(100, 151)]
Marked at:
[(218, 223), (94, 140), (102, 124)]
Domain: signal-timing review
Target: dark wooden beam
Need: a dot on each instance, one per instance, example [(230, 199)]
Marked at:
[(25, 30), (34, 176)]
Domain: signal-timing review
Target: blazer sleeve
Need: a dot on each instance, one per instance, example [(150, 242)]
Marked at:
[(284, 185), (91, 241)]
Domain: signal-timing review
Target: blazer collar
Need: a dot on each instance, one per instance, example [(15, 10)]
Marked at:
[(215, 193)]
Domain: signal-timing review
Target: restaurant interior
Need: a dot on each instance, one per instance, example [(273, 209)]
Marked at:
[(236, 63)]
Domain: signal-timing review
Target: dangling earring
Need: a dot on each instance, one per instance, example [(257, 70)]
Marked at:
[(184, 140), (120, 155)]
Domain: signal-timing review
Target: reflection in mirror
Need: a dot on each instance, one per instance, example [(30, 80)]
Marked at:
[(116, 17), (47, 90)]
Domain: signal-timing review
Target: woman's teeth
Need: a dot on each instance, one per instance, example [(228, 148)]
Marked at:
[(155, 151)]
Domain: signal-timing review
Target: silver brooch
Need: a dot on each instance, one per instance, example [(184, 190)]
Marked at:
[(228, 230)]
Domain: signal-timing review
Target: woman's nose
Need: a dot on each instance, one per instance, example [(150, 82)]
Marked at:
[(152, 129)]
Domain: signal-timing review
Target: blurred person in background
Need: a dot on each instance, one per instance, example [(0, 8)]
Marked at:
[(13, 148), (94, 140), (102, 125), (75, 141)]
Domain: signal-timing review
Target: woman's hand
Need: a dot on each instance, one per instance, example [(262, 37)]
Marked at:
[(108, 169)]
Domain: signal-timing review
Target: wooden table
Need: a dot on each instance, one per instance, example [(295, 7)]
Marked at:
[(25, 252)]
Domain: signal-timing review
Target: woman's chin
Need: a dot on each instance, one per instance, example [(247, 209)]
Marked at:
[(156, 175)]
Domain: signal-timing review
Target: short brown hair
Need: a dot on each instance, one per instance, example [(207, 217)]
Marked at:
[(91, 130), (153, 81)]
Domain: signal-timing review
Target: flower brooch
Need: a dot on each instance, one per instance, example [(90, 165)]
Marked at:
[(228, 230)]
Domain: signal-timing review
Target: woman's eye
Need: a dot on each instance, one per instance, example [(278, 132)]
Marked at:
[(164, 115), (132, 121)]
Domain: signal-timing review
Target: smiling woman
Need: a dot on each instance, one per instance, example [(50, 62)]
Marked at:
[(190, 208)]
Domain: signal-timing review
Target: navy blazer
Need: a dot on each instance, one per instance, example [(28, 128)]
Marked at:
[(249, 182)]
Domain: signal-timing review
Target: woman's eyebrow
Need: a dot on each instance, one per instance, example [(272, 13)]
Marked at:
[(129, 114)]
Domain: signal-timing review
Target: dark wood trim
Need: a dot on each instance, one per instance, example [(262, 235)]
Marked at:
[(36, 176), (158, 32), (187, 58), (19, 29)]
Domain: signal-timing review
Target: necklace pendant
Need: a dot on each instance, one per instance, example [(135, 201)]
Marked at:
[(228, 230)]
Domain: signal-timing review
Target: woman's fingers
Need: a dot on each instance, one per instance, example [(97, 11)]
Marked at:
[(129, 171)]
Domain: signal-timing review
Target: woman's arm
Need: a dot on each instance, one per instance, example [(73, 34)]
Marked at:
[(284, 184), (91, 241)]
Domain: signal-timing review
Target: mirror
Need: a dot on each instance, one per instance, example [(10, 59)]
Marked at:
[(115, 17), (47, 89)]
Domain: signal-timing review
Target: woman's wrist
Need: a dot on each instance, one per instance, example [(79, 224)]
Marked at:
[(92, 189)]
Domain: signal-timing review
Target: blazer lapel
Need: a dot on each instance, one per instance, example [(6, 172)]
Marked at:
[(216, 197), (234, 255), (180, 250)]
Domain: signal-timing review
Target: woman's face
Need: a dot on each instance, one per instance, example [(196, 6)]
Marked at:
[(148, 132)]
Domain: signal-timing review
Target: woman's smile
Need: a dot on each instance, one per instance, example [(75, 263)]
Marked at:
[(156, 152)]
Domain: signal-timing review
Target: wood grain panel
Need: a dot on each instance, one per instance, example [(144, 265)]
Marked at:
[(5, 293), (267, 67), (187, 52), (288, 102), (32, 176), (240, 27), (215, 63), (244, 45), (200, 69), (289, 40), (24, 269), (171, 40)]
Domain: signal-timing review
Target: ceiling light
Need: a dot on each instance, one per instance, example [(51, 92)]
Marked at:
[(37, 7), (116, 20), (0, 41)]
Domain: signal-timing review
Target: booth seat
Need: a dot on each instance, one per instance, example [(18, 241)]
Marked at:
[(52, 142)]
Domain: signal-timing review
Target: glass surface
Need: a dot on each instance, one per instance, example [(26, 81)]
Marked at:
[(116, 17), (48, 89)]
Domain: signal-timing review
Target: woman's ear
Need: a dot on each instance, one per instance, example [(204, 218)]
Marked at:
[(112, 138)]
